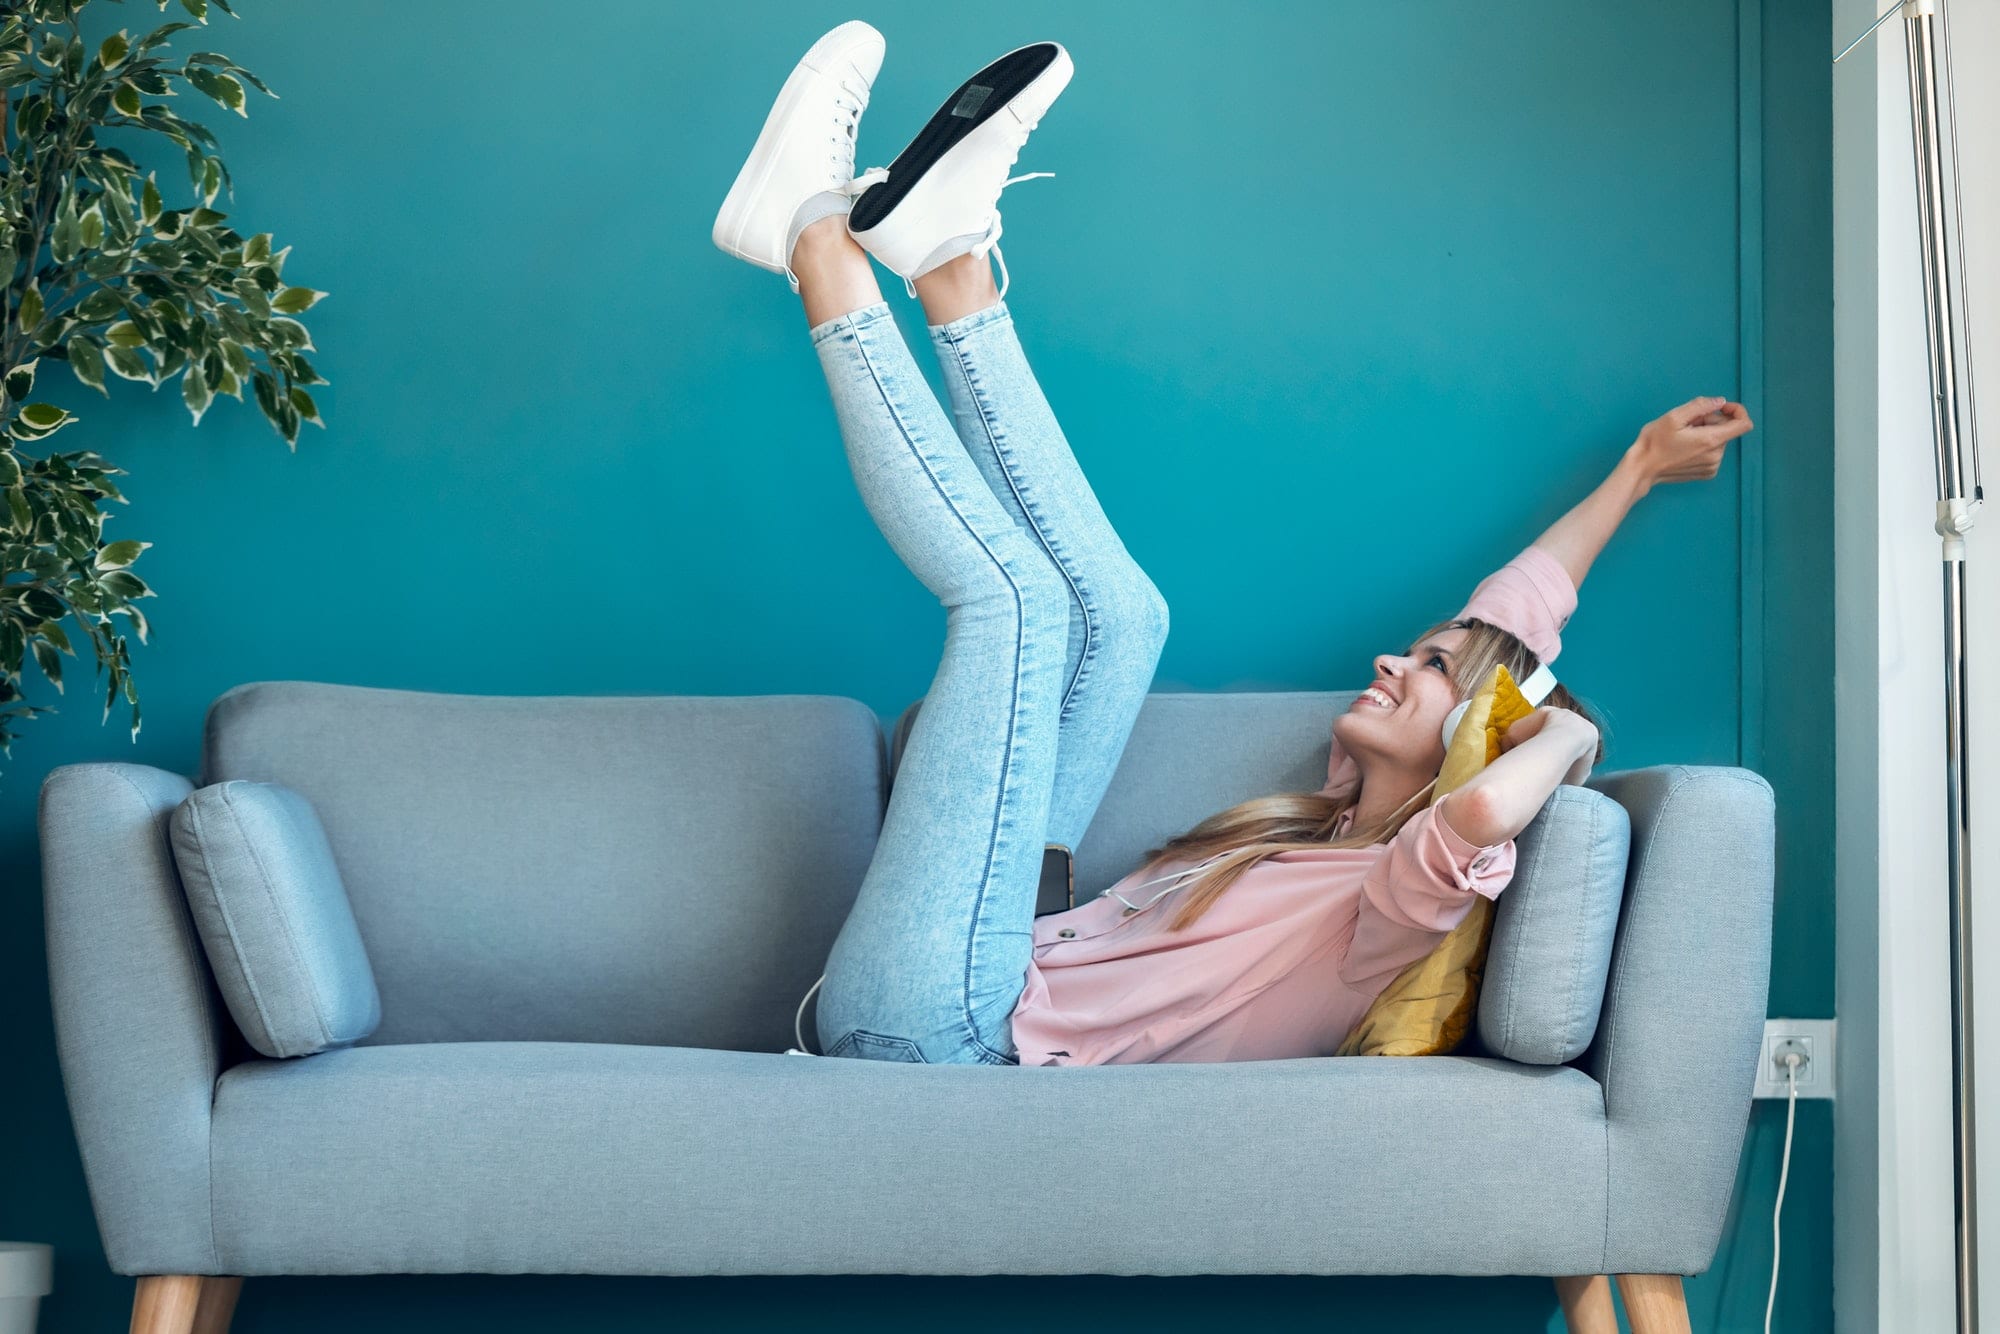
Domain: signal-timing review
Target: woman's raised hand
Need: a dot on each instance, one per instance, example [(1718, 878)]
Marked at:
[(1687, 443)]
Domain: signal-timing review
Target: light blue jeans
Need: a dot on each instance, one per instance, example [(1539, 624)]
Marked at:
[(1052, 632)]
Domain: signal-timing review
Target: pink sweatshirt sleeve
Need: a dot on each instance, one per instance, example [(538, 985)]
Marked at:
[(1531, 596), (1420, 889)]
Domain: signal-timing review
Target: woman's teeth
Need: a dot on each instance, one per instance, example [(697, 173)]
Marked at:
[(1377, 698)]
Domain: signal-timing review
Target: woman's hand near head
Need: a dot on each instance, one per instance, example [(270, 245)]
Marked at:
[(1566, 723), (1546, 716), (1686, 443)]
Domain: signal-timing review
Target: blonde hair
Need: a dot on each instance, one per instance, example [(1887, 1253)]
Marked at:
[(1253, 830)]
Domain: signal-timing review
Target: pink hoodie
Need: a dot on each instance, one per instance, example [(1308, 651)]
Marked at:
[(1290, 957)]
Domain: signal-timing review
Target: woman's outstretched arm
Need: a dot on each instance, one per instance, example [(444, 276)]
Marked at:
[(1685, 444)]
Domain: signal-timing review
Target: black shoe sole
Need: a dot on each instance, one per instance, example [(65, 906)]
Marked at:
[(975, 102)]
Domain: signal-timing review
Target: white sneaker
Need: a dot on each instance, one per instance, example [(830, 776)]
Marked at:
[(942, 195), (802, 167)]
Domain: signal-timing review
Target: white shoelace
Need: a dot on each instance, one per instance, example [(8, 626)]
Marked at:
[(991, 241), (840, 162)]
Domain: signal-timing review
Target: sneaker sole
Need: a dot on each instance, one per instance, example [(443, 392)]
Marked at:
[(976, 101), (746, 192)]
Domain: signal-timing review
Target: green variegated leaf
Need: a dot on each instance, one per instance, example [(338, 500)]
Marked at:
[(88, 364), (43, 416), (198, 8), (100, 304), (117, 555), (295, 299), (291, 333), (195, 392), (92, 227), (266, 390), (31, 307), (51, 664), (126, 99), (149, 204), (113, 48), (127, 363), (253, 298), (224, 89), (125, 584), (307, 408), (54, 633), (65, 240), (21, 380), (125, 333), (10, 468), (45, 606)]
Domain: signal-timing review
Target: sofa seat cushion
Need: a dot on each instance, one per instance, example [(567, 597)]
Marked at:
[(274, 919), (549, 1157)]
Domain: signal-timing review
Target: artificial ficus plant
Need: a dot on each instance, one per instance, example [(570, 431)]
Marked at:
[(102, 275)]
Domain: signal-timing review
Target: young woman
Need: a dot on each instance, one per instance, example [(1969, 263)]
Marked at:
[(1285, 916)]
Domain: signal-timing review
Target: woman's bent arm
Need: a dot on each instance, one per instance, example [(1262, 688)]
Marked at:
[(1504, 798)]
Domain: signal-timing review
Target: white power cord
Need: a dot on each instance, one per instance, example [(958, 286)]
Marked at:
[(1791, 1106), (798, 1019)]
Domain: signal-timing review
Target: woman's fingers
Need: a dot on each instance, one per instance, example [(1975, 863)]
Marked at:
[(1735, 423), (1686, 413)]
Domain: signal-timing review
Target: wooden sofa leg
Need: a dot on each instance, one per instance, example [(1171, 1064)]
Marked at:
[(185, 1303), (217, 1306), (1654, 1303), (1586, 1304)]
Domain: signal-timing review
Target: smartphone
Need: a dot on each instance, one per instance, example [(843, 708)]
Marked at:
[(1058, 892)]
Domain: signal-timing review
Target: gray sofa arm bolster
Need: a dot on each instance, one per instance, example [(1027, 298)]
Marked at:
[(138, 1021), (1677, 1044)]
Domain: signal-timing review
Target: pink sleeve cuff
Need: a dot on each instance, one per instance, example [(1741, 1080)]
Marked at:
[(1531, 596), (1495, 861)]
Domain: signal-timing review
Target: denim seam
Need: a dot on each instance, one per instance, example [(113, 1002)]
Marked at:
[(1090, 635), (853, 319), (1014, 703), (953, 330)]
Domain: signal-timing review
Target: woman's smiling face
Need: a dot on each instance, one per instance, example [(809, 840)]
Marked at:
[(1405, 730)]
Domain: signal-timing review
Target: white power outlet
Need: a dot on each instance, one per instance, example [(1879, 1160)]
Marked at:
[(1812, 1040)]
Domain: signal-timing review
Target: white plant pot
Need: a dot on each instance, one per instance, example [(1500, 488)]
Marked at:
[(27, 1273)]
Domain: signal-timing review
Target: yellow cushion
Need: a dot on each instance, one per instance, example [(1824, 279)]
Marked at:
[(1428, 1009)]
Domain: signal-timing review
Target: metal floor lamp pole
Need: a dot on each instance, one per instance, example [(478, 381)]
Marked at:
[(1925, 26)]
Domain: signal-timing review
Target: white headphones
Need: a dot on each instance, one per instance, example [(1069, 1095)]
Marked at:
[(1535, 689)]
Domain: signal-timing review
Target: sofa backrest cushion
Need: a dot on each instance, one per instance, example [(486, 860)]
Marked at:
[(1191, 754), (267, 899), (663, 869)]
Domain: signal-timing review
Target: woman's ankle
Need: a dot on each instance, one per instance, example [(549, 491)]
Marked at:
[(835, 277), (956, 288)]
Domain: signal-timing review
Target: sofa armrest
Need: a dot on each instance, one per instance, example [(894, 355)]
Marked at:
[(139, 1024), (1677, 1044)]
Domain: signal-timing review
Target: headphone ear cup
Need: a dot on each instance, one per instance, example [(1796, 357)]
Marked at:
[(1452, 720)]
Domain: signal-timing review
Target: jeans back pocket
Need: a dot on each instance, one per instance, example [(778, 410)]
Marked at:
[(861, 1043)]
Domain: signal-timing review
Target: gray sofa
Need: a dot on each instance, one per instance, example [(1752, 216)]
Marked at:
[(592, 919)]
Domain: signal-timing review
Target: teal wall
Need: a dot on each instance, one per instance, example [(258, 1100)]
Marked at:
[(1340, 304)]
